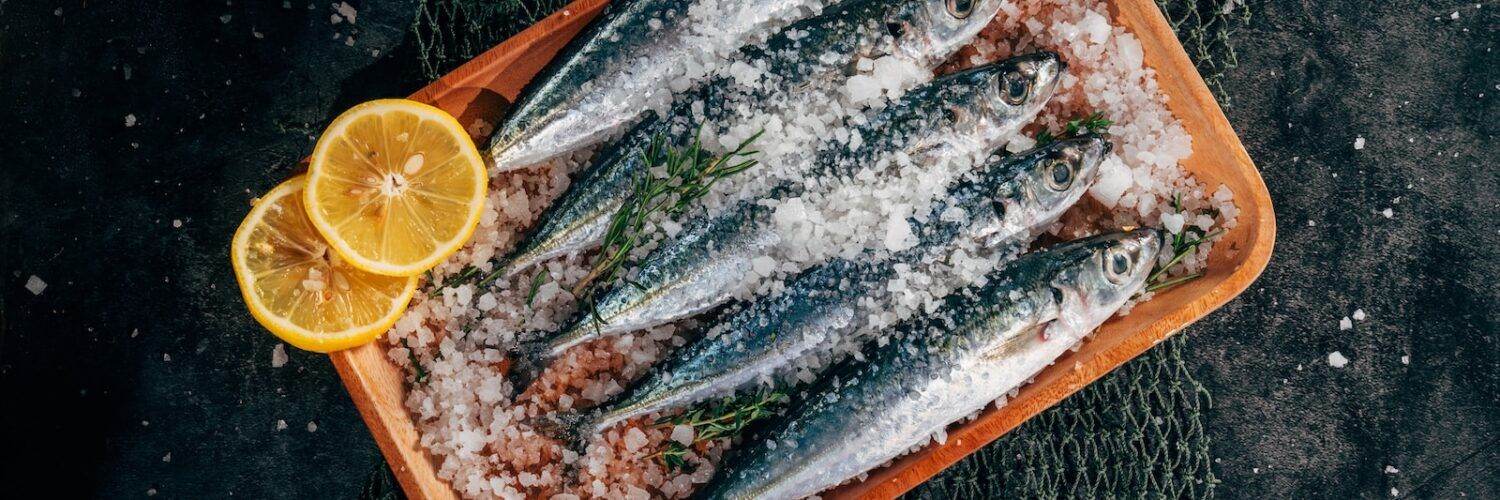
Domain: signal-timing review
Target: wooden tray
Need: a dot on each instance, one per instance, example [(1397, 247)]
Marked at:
[(482, 88)]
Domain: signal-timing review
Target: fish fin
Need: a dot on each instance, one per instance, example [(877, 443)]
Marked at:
[(1014, 343), (527, 360), (572, 429)]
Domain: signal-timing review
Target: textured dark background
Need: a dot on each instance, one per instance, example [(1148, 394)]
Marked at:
[(136, 370)]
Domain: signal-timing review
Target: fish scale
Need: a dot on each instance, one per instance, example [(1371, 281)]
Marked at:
[(811, 55), (620, 67), (956, 116), (1005, 202), (981, 344)]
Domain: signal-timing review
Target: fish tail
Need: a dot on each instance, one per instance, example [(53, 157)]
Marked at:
[(573, 428), (527, 360)]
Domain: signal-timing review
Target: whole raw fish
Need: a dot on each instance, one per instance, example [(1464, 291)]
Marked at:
[(980, 345)]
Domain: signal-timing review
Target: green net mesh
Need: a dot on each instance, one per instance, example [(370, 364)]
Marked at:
[(1138, 432), (450, 32), (1204, 27)]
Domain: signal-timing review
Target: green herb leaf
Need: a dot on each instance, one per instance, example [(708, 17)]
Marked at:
[(1095, 123), (536, 283), (689, 173), (723, 419)]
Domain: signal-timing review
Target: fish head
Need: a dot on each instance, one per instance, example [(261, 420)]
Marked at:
[(997, 98), (1098, 275), (931, 30), (1032, 189), (1021, 85)]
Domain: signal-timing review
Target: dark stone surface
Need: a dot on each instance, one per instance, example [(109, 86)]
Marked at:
[(139, 346), (1420, 88)]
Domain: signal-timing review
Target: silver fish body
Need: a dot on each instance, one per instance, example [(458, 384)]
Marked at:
[(980, 345), (808, 56), (1005, 202), (958, 115), (624, 63)]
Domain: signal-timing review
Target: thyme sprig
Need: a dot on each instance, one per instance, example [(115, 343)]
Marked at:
[(419, 371), (725, 418), (1095, 122), (536, 284), (686, 175), (1181, 247), (673, 179)]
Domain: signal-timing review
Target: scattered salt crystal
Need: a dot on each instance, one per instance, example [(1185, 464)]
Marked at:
[(312, 426), (130, 120), (1114, 179), (764, 265), (281, 425), (1406, 360), (1173, 222), (1345, 323), (176, 223), (1337, 360), (167, 457), (861, 88), (1392, 470), (1359, 315), (1395, 492), (1388, 213), (487, 302), (635, 439), (347, 11), (1359, 142), (683, 434), (278, 355), (1454, 16), (898, 235), (35, 285)]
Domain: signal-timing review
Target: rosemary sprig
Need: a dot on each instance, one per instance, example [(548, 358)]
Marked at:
[(1181, 247), (726, 418), (686, 174), (1092, 123), (536, 283), (421, 372)]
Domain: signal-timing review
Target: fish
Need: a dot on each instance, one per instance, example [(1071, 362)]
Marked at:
[(625, 63), (981, 344), (808, 56), (959, 115), (1004, 203)]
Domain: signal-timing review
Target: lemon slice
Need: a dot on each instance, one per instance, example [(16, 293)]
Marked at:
[(301, 290), (395, 186)]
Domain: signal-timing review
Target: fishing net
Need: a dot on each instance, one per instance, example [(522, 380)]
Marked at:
[(1138, 432), (450, 32)]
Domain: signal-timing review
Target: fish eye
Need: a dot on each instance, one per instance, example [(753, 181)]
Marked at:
[(1014, 87), (1059, 175), (1117, 265), (960, 8)]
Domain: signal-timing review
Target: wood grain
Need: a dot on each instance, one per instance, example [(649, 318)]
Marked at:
[(481, 89)]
